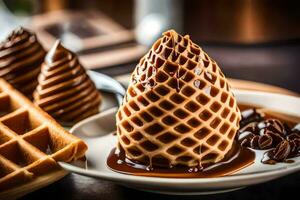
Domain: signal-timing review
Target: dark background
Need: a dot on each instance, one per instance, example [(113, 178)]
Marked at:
[(262, 46), (255, 40)]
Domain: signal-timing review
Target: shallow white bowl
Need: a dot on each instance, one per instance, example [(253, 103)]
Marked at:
[(96, 132)]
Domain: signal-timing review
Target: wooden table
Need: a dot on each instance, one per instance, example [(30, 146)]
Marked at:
[(79, 187)]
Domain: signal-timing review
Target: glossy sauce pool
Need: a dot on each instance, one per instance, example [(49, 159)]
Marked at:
[(238, 158)]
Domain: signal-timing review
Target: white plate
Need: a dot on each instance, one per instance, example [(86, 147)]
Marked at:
[(96, 130)]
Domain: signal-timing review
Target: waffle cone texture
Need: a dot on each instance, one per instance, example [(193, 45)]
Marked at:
[(31, 142), (178, 109)]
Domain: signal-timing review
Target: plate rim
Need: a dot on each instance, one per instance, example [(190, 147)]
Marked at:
[(115, 176)]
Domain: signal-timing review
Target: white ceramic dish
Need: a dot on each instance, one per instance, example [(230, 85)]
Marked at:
[(107, 85), (96, 132)]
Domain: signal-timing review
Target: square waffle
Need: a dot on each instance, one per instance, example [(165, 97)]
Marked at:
[(31, 142)]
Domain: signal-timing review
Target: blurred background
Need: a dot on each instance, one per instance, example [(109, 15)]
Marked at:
[(256, 40)]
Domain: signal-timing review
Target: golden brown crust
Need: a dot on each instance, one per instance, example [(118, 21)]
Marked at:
[(178, 108), (31, 142)]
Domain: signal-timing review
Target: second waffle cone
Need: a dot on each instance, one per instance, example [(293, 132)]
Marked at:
[(178, 109)]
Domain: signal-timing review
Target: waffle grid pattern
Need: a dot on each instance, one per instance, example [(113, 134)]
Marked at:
[(179, 109), (30, 141)]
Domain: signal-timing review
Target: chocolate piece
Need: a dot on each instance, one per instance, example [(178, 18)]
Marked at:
[(295, 148), (294, 140), (65, 91), (260, 133), (276, 137), (21, 56), (293, 136), (254, 143), (249, 139), (250, 127), (265, 142), (281, 152), (249, 116), (246, 139), (271, 125)]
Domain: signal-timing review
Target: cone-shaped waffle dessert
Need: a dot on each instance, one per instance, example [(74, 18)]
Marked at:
[(21, 56), (65, 91), (178, 109)]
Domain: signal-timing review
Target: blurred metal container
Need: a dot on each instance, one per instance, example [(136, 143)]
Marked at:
[(152, 17)]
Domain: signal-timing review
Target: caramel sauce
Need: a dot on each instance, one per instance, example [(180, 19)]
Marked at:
[(237, 159)]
